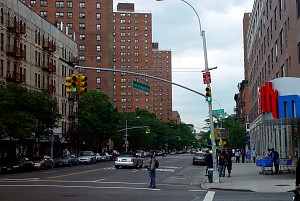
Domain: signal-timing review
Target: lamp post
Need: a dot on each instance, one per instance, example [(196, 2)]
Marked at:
[(216, 178)]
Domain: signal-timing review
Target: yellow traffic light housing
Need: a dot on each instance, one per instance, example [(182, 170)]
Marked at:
[(71, 84), (208, 96), (147, 130), (82, 84)]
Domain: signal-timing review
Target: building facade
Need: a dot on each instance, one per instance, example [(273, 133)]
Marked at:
[(36, 54), (273, 46)]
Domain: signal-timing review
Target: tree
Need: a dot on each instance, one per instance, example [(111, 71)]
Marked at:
[(237, 134), (97, 118)]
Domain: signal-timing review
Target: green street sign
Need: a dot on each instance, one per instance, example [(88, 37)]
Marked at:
[(140, 86), (218, 112), (44, 138)]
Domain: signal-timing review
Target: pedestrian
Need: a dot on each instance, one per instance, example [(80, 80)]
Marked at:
[(228, 162), (275, 157), (208, 161), (151, 168), (248, 157), (253, 154), (221, 163), (297, 183), (237, 155), (243, 155)]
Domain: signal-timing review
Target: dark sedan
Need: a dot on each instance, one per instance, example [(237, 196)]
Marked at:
[(67, 160), (19, 165), (199, 158)]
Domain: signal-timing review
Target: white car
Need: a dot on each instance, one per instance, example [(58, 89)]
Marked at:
[(87, 157), (128, 160)]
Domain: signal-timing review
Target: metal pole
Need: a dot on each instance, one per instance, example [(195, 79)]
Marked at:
[(126, 139)]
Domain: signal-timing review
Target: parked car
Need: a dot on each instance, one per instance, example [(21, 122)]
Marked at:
[(87, 157), (128, 159), (199, 158), (113, 153), (19, 165), (104, 157), (173, 152), (67, 160), (157, 153), (140, 153), (42, 162)]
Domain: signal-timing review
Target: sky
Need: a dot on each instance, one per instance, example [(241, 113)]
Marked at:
[(175, 26)]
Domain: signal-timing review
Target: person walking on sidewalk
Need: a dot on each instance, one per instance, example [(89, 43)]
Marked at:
[(253, 154), (151, 168), (228, 161), (248, 156), (221, 163), (208, 161), (237, 155)]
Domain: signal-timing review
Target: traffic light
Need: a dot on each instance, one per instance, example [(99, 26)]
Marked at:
[(147, 130), (208, 94), (72, 84), (82, 84)]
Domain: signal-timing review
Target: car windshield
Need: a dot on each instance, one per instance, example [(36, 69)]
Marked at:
[(103, 154), (37, 158), (86, 153), (127, 155), (199, 154), (64, 157)]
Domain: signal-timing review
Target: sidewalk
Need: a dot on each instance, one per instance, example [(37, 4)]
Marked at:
[(246, 177)]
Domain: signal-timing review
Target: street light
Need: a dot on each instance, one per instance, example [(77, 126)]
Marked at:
[(216, 178)]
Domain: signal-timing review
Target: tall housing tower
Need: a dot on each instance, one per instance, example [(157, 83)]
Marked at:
[(132, 48), (89, 22)]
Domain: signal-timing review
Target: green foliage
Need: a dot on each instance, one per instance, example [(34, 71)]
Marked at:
[(24, 112), (237, 134), (97, 118)]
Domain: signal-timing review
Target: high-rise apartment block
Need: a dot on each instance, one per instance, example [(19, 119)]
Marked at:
[(120, 40)]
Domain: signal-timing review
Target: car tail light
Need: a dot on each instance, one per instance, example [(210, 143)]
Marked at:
[(116, 159)]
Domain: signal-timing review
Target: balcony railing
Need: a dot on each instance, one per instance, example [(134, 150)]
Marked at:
[(50, 46), (50, 67), (16, 27), (15, 51), (15, 76), (49, 88)]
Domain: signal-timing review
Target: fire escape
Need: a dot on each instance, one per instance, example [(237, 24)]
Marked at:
[(16, 51), (49, 66)]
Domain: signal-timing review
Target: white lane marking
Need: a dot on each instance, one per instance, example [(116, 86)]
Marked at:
[(197, 190), (209, 196), (98, 180), (92, 187)]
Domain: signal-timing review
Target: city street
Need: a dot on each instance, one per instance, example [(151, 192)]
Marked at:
[(178, 180)]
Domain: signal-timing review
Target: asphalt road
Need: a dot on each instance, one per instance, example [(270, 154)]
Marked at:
[(178, 180)]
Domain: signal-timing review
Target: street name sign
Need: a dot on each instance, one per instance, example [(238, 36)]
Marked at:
[(140, 86), (218, 112)]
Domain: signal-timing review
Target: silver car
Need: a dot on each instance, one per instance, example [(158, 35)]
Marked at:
[(128, 160), (87, 157)]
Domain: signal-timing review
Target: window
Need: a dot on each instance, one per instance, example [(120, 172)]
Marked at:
[(98, 48), (1, 67), (43, 14), (98, 5), (70, 26), (81, 15), (33, 3), (59, 15), (98, 16), (98, 27), (81, 26), (98, 58), (98, 80), (81, 37), (70, 4), (44, 3), (70, 15), (81, 47), (81, 4), (59, 4), (98, 37), (81, 58), (298, 52), (298, 8)]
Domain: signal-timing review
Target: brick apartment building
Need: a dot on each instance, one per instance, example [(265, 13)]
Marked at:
[(272, 62), (121, 40)]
